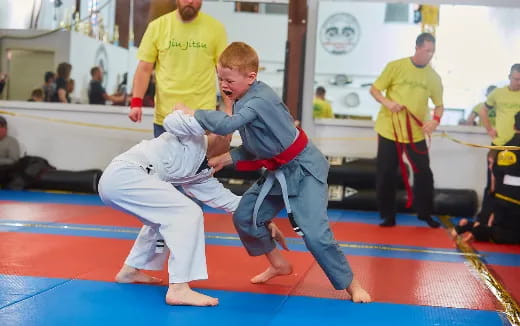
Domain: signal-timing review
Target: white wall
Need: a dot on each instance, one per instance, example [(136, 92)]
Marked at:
[(266, 33), (86, 52), (71, 138)]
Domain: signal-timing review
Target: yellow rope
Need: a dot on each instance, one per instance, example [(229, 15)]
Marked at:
[(501, 148), (511, 308), (75, 123), (368, 138)]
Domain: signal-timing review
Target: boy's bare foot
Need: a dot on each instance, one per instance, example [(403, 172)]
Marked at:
[(357, 293), (271, 272), (129, 274), (180, 294), (279, 266)]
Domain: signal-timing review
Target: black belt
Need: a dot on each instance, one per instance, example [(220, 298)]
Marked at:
[(204, 165)]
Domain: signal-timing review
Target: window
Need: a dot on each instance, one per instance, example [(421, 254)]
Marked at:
[(397, 13), (247, 7), (262, 8)]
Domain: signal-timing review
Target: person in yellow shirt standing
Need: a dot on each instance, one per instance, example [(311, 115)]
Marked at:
[(184, 46), (321, 108), (475, 112), (505, 101), (402, 125)]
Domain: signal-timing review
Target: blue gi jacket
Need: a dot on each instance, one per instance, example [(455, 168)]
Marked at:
[(266, 129)]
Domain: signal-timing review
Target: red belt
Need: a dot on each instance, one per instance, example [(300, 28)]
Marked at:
[(401, 148), (275, 162)]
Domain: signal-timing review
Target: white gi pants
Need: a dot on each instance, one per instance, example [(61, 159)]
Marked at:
[(167, 214)]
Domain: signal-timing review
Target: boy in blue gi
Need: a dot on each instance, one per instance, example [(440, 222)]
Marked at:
[(296, 175)]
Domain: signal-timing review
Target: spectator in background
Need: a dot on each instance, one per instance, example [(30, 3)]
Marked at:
[(61, 93), (408, 83), (36, 95), (470, 121), (49, 87), (71, 84), (504, 223), (3, 80), (96, 92), (148, 99), (183, 47), (9, 152), (505, 101), (321, 107)]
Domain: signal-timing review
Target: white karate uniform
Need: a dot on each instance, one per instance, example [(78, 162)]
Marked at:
[(140, 182)]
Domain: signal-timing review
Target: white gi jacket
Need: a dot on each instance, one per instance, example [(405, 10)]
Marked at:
[(139, 182)]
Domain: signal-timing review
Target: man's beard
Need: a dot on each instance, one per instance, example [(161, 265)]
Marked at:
[(188, 12)]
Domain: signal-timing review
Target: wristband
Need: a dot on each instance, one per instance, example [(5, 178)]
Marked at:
[(136, 102), (437, 118)]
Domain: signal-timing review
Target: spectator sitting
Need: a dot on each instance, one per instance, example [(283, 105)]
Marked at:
[(3, 79), (36, 95), (9, 151), (96, 92), (321, 107), (504, 224), (49, 87), (61, 93), (71, 84), (471, 120)]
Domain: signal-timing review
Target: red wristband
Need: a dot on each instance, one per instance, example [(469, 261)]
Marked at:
[(437, 118), (136, 102)]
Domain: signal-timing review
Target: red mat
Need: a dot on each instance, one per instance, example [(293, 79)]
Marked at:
[(388, 280)]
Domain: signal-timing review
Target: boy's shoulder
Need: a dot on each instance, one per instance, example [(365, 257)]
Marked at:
[(261, 90)]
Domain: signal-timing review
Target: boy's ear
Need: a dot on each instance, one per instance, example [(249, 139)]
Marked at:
[(251, 77)]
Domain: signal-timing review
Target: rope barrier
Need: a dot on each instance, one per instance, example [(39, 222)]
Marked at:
[(321, 139), (511, 307)]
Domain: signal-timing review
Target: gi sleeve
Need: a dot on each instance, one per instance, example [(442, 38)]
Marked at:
[(222, 124), (212, 193), (182, 125), (241, 154)]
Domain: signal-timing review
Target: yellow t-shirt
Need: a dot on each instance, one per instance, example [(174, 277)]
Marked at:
[(411, 86), (321, 109), (185, 57), (492, 113), (506, 104)]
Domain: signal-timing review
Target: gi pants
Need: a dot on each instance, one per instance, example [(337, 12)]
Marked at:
[(166, 213)]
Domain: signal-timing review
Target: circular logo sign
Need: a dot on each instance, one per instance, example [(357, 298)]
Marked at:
[(340, 33)]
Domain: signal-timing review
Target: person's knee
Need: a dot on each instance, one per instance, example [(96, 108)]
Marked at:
[(242, 219)]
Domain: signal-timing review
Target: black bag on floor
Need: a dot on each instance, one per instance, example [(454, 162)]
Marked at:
[(78, 181), (358, 173), (25, 172)]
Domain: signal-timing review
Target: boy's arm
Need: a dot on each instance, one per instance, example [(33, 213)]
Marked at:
[(182, 125), (212, 193), (222, 124)]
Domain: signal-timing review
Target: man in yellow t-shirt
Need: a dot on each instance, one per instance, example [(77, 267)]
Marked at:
[(408, 84), (184, 46), (475, 112), (320, 106), (506, 103)]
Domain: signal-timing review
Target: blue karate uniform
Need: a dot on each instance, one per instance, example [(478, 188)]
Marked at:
[(267, 129)]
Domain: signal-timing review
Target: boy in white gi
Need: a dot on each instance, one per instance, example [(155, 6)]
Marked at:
[(296, 176), (141, 182)]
